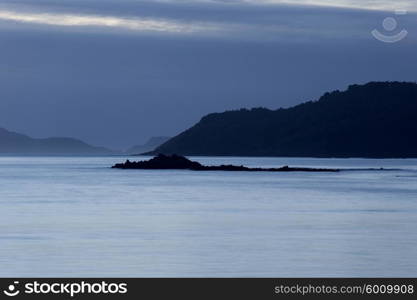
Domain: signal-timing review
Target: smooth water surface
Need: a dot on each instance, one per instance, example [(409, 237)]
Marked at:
[(75, 216)]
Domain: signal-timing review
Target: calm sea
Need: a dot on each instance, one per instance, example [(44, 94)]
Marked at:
[(75, 216)]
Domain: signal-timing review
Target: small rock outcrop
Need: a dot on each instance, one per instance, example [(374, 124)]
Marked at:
[(176, 162)]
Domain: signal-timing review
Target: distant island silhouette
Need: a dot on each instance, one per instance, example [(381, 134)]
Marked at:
[(151, 144), (176, 162), (375, 120), (16, 143)]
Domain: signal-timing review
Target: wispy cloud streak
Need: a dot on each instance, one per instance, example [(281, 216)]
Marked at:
[(135, 24), (232, 22), (387, 5)]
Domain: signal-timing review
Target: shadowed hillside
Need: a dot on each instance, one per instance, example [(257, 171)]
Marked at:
[(378, 119)]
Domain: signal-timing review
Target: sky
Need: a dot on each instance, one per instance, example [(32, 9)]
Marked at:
[(116, 72)]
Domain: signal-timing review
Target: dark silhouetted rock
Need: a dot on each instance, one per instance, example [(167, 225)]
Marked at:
[(176, 162)]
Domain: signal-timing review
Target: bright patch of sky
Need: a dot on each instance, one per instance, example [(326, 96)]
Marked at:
[(136, 24)]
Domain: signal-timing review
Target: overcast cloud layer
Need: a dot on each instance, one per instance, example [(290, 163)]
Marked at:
[(116, 72), (260, 19)]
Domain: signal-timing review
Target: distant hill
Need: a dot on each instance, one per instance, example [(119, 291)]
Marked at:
[(15, 143), (150, 145), (376, 120)]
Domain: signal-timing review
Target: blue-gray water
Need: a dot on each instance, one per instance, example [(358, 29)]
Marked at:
[(75, 216)]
